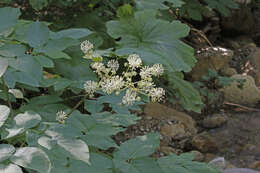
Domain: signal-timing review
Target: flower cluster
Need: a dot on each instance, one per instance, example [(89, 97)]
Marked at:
[(61, 116), (133, 78)]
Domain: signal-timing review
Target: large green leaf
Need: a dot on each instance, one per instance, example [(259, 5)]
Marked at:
[(140, 146), (92, 132), (10, 168), (189, 97), (157, 4), (3, 66), (4, 113), (184, 163), (155, 40), (23, 122), (8, 17), (37, 34), (32, 158), (75, 33), (77, 148), (12, 50), (6, 151)]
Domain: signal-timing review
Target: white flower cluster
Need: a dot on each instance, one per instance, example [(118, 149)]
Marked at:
[(61, 116), (135, 79)]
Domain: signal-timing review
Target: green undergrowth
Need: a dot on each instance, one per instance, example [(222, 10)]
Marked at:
[(43, 73)]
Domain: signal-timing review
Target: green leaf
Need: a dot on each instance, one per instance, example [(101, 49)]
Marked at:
[(183, 163), (140, 146), (6, 151), (124, 120), (146, 164), (124, 167), (75, 33), (44, 61), (157, 4), (32, 158), (22, 122), (12, 50), (93, 106), (4, 113), (37, 34), (3, 66), (155, 40), (189, 97), (77, 148), (28, 65), (93, 133), (57, 55), (10, 168), (38, 4), (8, 17), (57, 45)]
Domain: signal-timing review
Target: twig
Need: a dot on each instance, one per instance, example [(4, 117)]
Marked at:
[(77, 105), (243, 107), (202, 35)]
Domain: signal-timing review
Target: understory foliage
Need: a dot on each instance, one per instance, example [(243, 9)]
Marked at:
[(60, 107)]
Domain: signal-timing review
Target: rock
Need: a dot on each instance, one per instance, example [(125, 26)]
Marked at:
[(214, 121), (228, 71), (249, 94), (210, 58), (255, 165), (255, 61), (219, 163), (175, 131), (204, 143), (167, 150), (161, 112), (198, 156), (240, 170)]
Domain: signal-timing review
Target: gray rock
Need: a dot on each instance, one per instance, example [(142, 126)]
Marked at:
[(240, 170)]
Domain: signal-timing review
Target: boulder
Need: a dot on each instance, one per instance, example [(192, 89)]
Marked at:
[(204, 143), (185, 122), (214, 58), (214, 121), (219, 163), (249, 94)]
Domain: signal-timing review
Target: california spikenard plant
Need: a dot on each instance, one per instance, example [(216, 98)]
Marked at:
[(44, 130)]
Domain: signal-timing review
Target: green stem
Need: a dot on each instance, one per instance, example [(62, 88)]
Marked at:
[(5, 88), (77, 105)]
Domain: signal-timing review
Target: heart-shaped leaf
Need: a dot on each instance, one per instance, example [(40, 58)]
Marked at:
[(32, 158)]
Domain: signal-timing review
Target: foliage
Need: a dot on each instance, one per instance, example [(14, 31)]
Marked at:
[(43, 74), (210, 85)]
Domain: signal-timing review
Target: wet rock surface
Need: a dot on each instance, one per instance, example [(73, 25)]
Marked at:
[(210, 58), (242, 90), (214, 121)]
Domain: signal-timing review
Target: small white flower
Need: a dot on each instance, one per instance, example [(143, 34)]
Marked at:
[(86, 47), (134, 61), (157, 94), (61, 116), (112, 84), (129, 98), (113, 65), (157, 70), (90, 87), (99, 67), (146, 72), (145, 86)]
